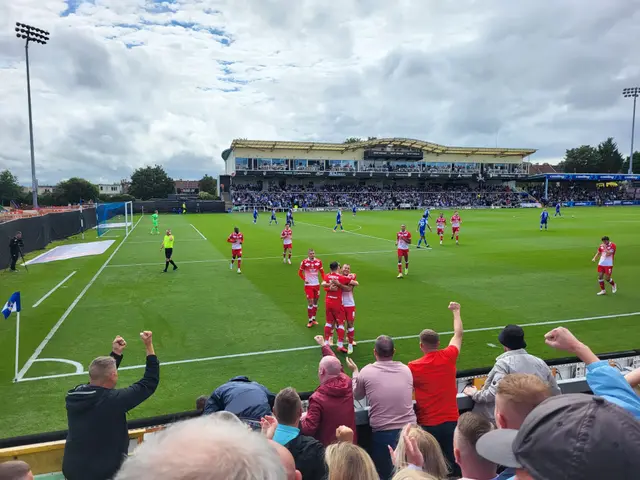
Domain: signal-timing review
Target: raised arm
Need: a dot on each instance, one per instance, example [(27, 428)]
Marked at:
[(458, 331)]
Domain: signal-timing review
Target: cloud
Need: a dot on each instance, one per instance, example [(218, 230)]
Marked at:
[(126, 83)]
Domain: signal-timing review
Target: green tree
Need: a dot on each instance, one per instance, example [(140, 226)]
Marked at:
[(636, 163), (371, 138), (74, 190), (581, 160), (353, 140), (9, 188), (207, 196), (208, 184), (610, 158), (151, 182)]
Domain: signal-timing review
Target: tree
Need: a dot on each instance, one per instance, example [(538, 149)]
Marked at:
[(151, 182), (9, 188), (581, 160), (353, 140), (371, 138), (610, 158), (636, 163), (208, 184), (207, 196), (74, 190)]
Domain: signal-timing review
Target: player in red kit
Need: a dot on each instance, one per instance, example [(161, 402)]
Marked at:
[(311, 272), (455, 226), (333, 285), (606, 252), (236, 239), (349, 305), (287, 243), (403, 240), (441, 222)]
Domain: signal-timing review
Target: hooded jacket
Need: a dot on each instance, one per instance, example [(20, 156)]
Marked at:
[(246, 399), (98, 437), (330, 406)]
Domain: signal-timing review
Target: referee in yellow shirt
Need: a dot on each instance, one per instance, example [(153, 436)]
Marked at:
[(167, 244)]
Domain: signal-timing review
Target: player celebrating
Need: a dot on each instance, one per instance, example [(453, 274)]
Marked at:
[(349, 305), (558, 214), (333, 284), (441, 222), (236, 239), (403, 240), (455, 226), (290, 218), (167, 244), (606, 251), (273, 216), (338, 220), (422, 226), (154, 222), (255, 215), (310, 267), (287, 243), (544, 219)]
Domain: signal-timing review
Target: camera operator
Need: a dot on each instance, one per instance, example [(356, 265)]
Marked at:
[(14, 248)]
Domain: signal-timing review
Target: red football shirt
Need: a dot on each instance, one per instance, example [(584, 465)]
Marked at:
[(236, 240), (286, 236), (310, 271), (434, 382), (334, 297), (403, 239), (607, 254)]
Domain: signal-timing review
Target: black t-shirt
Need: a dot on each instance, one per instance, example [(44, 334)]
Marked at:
[(15, 244)]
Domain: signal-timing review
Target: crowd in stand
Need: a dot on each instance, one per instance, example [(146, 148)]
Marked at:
[(413, 167), (389, 197), (575, 192), (521, 427)]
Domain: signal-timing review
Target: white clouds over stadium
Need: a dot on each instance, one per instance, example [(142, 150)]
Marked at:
[(124, 83)]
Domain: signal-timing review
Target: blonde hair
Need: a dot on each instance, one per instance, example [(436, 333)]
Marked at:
[(411, 474), (434, 461), (523, 392), (346, 461)]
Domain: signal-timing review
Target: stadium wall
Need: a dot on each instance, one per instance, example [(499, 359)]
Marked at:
[(38, 232), (168, 206)]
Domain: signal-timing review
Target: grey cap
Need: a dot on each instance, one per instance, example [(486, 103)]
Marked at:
[(567, 437)]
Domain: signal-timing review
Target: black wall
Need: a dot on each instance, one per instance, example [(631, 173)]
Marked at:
[(38, 232), (167, 206)]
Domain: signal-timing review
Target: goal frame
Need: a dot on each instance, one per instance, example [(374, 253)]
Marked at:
[(103, 228)]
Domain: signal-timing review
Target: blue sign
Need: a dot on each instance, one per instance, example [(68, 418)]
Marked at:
[(592, 176)]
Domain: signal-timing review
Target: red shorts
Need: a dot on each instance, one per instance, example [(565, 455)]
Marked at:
[(350, 313), (455, 229), (403, 253), (440, 231), (287, 247), (335, 314), (605, 269), (236, 253), (312, 292)]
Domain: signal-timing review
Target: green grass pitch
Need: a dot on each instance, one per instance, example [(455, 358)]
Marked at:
[(504, 271)]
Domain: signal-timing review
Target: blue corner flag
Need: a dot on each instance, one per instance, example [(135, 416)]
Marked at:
[(13, 305)]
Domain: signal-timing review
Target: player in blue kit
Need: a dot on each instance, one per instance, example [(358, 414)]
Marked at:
[(426, 215), (354, 210), (544, 218), (338, 221), (255, 214), (422, 226), (558, 210), (290, 218), (273, 216)]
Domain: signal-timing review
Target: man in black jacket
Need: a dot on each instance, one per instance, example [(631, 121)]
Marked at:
[(98, 438), (14, 249)]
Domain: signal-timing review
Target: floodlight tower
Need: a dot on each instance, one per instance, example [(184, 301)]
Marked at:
[(31, 34), (632, 93)]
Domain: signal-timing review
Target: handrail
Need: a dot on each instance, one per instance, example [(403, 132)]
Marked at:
[(175, 417)]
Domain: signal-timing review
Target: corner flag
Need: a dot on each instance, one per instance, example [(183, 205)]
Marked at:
[(13, 305)]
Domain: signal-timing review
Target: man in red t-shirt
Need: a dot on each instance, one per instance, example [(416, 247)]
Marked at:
[(333, 283), (435, 385)]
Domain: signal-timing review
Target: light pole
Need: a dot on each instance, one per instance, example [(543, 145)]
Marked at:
[(632, 92), (31, 34)]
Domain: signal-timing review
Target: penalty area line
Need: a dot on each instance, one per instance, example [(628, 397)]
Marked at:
[(53, 289), (311, 347), (199, 232)]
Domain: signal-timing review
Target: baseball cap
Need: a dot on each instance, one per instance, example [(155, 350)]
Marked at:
[(512, 337), (569, 437)]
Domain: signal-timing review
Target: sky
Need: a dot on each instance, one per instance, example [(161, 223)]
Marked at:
[(128, 83)]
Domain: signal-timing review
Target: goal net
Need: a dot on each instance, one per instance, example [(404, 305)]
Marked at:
[(114, 216)]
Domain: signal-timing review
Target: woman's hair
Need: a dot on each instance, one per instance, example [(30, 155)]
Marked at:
[(410, 474), (346, 461), (434, 461)]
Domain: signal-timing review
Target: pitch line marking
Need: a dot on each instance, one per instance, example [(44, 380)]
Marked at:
[(53, 289), (199, 232), (64, 316), (311, 347), (78, 365), (349, 231)]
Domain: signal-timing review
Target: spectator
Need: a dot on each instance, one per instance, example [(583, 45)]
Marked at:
[(201, 401), (206, 448), (388, 387), (514, 360), (98, 437), (307, 452), (434, 382), (471, 427), (603, 380), (419, 448), (569, 437), (413, 474), (246, 399), (331, 405), (346, 461), (15, 470), (287, 461)]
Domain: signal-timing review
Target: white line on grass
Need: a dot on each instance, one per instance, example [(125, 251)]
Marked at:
[(249, 259), (64, 316), (311, 347), (199, 232), (349, 231), (53, 289), (77, 365)]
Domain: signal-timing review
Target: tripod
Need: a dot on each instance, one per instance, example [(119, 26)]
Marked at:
[(24, 262)]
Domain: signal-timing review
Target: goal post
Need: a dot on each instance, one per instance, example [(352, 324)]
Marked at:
[(114, 216)]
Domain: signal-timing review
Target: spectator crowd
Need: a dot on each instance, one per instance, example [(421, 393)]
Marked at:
[(581, 192), (522, 427)]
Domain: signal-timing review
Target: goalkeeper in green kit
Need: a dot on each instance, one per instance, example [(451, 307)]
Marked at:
[(154, 219)]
